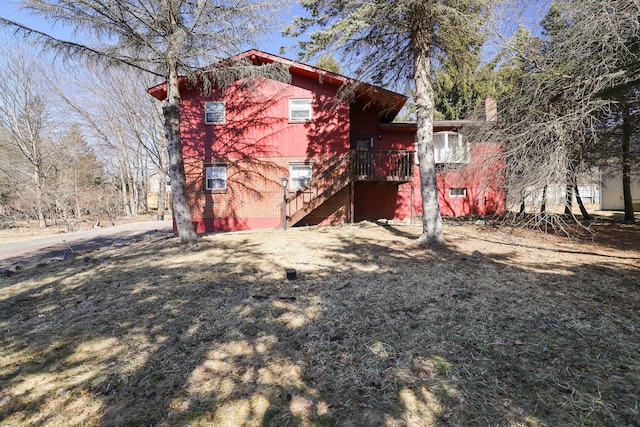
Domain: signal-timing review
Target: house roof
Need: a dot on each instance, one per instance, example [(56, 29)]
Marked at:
[(385, 100), (438, 125)]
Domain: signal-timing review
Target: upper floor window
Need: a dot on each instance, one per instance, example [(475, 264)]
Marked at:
[(450, 147), (300, 109), (301, 174), (362, 142), (214, 112), (215, 177)]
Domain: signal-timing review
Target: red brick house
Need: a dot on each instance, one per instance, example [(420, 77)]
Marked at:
[(341, 160)]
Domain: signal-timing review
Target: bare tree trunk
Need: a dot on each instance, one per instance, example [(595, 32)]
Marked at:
[(162, 195), (123, 193), (133, 195), (145, 182), (626, 165), (76, 194), (568, 202), (543, 207), (171, 113), (583, 210), (138, 179), (39, 200), (431, 219)]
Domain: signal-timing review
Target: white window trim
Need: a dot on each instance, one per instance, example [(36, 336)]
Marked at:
[(209, 167), (464, 192), (298, 108), (292, 165), (448, 155), (207, 104)]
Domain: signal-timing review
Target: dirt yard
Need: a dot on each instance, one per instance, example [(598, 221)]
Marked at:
[(497, 327)]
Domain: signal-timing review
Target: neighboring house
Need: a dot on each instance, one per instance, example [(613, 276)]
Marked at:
[(154, 190), (611, 195), (342, 160), (556, 193)]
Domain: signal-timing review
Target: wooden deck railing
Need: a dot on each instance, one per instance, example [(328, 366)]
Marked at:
[(390, 165)]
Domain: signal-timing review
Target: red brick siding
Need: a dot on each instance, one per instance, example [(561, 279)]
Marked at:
[(254, 194), (333, 211)]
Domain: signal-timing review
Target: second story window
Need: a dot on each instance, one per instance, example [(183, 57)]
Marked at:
[(299, 109), (214, 112), (450, 147)]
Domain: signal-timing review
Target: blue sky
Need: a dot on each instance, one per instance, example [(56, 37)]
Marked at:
[(527, 12), (11, 10)]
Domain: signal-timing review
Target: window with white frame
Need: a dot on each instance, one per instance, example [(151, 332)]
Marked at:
[(450, 147), (301, 174), (300, 109), (215, 177), (214, 112), (458, 192)]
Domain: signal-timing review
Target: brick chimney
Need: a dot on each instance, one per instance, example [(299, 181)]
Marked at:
[(489, 110)]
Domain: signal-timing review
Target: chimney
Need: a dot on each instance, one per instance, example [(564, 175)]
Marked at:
[(489, 110)]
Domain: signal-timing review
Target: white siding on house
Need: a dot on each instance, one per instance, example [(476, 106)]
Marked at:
[(557, 193), (611, 191)]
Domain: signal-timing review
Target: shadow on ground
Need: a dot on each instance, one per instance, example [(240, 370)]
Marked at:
[(375, 331), (64, 248)]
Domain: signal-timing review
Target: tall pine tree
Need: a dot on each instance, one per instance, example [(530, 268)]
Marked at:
[(395, 43)]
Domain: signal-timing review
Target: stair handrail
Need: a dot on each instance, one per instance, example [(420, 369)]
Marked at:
[(314, 188)]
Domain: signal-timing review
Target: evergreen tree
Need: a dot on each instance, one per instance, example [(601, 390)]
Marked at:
[(550, 117), (329, 63), (459, 83), (395, 44)]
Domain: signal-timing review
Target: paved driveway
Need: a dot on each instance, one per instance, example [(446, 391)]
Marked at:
[(40, 249)]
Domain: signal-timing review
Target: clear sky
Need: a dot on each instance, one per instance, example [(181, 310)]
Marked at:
[(525, 12), (10, 9)]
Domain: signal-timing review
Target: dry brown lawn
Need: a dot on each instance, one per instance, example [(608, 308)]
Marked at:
[(530, 330)]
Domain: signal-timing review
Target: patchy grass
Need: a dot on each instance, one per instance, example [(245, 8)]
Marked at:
[(531, 330)]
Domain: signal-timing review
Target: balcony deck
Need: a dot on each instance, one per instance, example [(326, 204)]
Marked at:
[(392, 166)]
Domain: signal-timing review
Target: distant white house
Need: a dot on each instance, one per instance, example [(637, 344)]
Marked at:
[(556, 194), (154, 189), (611, 191)]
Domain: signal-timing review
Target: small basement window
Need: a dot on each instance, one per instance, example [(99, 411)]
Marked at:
[(300, 109), (215, 177), (214, 112), (458, 192)]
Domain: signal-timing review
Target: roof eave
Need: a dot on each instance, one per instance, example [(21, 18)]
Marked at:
[(437, 124), (390, 101)]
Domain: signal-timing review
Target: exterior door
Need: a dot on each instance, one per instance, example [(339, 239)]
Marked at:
[(364, 155)]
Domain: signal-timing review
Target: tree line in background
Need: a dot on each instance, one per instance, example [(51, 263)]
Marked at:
[(76, 145), (569, 103), (165, 39), (568, 97)]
